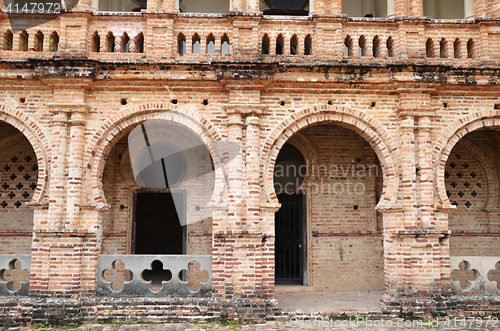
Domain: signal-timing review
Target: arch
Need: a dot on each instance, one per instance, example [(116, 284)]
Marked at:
[(23, 41), (308, 151), (38, 44), (390, 47), (367, 127), (210, 44), (54, 42), (37, 139), (110, 42), (294, 44), (96, 42), (308, 45), (196, 44), (456, 131), (122, 123), (181, 44), (8, 38), (139, 43), (348, 46), (225, 44), (266, 44), (280, 44)]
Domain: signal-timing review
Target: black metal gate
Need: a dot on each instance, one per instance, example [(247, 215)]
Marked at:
[(289, 240)]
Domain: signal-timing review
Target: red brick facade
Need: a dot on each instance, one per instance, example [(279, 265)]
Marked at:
[(414, 97)]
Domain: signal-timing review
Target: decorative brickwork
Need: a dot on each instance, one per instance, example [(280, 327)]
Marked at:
[(394, 116)]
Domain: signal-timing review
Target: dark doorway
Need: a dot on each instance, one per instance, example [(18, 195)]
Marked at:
[(156, 227), (290, 246)]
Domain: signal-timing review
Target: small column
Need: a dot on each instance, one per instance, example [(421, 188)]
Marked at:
[(235, 171), (252, 157), (84, 4), (153, 5), (57, 191), (401, 8), (482, 8), (469, 9), (391, 8), (409, 182), (335, 7), (426, 173)]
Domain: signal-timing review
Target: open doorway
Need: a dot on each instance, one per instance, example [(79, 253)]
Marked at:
[(156, 225)]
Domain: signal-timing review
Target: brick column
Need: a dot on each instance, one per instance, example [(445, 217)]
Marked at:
[(401, 8), (169, 5), (416, 8), (409, 180), (482, 8), (426, 173)]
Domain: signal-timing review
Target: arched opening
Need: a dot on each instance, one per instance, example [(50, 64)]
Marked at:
[(444, 9), (181, 44), (196, 44), (429, 48), (8, 40), (364, 8), (457, 52), (472, 186), (328, 181), (308, 45), (200, 6), (294, 44), (210, 44), (23, 41), (390, 47), (161, 205), (54, 42), (110, 43), (265, 44), (38, 44), (279, 7), (139, 43), (225, 44), (280, 43), (470, 49), (96, 42), (18, 182)]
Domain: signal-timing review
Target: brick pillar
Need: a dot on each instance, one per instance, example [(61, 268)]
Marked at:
[(495, 8), (235, 172), (416, 8), (169, 5), (401, 7), (336, 7), (409, 180), (252, 157), (482, 8), (426, 173), (153, 4), (75, 167)]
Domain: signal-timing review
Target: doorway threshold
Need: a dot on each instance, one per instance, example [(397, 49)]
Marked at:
[(283, 289)]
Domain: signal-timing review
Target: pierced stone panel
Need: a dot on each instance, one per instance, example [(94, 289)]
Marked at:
[(465, 181), (154, 276), (475, 275), (18, 181), (14, 274)]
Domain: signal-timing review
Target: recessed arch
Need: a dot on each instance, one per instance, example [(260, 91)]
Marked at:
[(37, 139), (368, 128), (122, 123), (451, 136)]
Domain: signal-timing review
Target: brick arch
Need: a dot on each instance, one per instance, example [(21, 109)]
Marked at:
[(124, 122), (359, 122), (37, 139), (308, 153), (450, 137)]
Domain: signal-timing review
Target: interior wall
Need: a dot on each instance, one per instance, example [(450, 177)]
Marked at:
[(341, 201), (18, 179)]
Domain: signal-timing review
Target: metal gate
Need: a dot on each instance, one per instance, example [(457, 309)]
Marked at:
[(289, 240)]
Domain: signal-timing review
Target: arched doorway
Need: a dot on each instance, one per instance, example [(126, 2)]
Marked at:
[(472, 187), (340, 183)]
